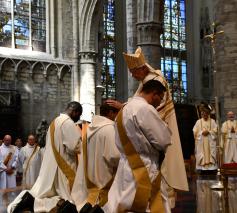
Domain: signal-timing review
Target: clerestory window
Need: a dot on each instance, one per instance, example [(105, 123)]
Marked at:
[(174, 56), (23, 24)]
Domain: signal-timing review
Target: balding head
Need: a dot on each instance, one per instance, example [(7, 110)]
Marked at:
[(7, 140), (230, 115), (31, 140)]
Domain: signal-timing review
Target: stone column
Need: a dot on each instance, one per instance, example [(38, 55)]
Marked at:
[(226, 55), (75, 89), (131, 12), (87, 84), (149, 28), (53, 30)]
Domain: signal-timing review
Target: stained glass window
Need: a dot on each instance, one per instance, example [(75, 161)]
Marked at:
[(22, 24), (173, 41), (108, 66)]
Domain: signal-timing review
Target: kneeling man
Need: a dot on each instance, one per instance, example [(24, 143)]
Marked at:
[(141, 137)]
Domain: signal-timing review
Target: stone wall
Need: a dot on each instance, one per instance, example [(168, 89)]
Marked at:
[(44, 88), (226, 54)]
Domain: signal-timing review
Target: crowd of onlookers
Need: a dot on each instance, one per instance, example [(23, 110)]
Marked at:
[(19, 163)]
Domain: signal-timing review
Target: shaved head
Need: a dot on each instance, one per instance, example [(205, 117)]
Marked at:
[(7, 140)]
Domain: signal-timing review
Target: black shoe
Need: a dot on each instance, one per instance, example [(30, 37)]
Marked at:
[(26, 203), (67, 207), (86, 208), (96, 209)]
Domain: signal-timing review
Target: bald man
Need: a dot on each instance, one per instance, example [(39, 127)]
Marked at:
[(229, 137), (8, 163)]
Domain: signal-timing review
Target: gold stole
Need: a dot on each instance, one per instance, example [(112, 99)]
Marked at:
[(95, 195), (146, 192), (28, 162), (63, 165), (8, 158)]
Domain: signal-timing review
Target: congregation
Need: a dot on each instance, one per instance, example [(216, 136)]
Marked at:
[(128, 158)]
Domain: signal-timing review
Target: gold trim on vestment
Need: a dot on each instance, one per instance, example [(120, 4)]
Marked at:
[(62, 164), (95, 194), (28, 162), (8, 158), (146, 192)]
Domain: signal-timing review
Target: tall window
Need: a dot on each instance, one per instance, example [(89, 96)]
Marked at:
[(173, 41), (22, 24), (108, 66)]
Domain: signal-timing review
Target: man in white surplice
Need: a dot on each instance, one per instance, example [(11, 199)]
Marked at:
[(204, 132), (8, 163), (173, 169), (54, 183), (31, 161), (149, 135), (19, 169), (229, 136), (102, 160)]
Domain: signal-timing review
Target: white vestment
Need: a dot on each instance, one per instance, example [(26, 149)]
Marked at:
[(20, 161), (148, 134), (51, 184), (173, 169), (229, 141), (8, 180), (31, 165), (103, 157), (205, 146)]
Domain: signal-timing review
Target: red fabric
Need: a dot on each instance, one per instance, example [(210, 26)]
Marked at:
[(229, 166)]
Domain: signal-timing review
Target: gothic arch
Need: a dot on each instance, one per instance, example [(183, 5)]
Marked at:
[(36, 64), (49, 66), (91, 12), (5, 61), (63, 70), (19, 64)]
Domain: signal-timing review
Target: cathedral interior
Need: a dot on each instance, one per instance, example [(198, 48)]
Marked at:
[(53, 52)]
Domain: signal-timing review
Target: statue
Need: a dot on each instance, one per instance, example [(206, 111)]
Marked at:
[(41, 132)]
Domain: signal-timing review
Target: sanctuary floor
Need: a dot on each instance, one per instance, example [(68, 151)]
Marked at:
[(199, 199)]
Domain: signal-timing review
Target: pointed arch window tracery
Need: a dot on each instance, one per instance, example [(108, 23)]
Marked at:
[(173, 42)]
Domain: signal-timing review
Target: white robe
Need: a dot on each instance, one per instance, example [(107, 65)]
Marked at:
[(51, 184), (103, 157), (148, 134), (8, 181), (173, 169), (229, 141), (205, 146), (30, 175), (20, 161)]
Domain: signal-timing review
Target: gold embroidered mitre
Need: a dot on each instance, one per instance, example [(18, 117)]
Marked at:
[(135, 60)]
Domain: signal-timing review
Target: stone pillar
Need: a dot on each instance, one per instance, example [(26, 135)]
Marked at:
[(53, 30), (87, 84), (75, 89), (131, 12), (226, 55), (149, 28)]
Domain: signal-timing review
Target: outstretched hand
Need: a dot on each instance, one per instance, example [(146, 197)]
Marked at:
[(114, 103)]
